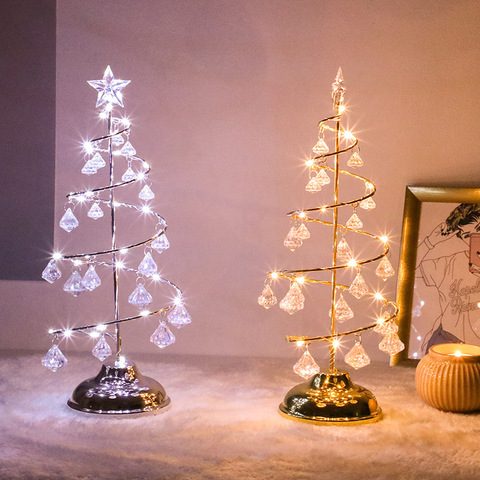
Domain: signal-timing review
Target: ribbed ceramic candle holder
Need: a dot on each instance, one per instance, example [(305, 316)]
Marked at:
[(448, 378)]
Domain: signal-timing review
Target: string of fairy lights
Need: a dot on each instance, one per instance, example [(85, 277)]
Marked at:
[(343, 257), (115, 144)]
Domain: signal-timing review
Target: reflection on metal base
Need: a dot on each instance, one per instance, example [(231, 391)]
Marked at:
[(328, 399), (119, 390)]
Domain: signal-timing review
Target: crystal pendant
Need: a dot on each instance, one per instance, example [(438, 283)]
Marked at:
[(292, 241), (313, 185), (95, 211), (385, 269), (344, 251), (391, 344), (355, 160), (179, 317), (294, 300), (302, 232), (117, 140), (321, 148), (51, 273), (342, 311), (358, 288), (162, 337), (102, 349), (267, 299), (146, 194), (128, 150), (367, 204), (161, 243), (98, 161), (306, 366), (140, 297), (69, 221), (89, 168), (147, 266), (357, 357), (338, 89), (386, 327), (91, 280), (54, 359), (322, 177), (354, 222), (129, 175), (74, 285)]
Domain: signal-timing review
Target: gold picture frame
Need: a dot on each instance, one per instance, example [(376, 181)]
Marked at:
[(414, 198)]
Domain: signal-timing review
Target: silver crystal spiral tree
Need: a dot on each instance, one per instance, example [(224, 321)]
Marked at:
[(112, 164), (332, 397)]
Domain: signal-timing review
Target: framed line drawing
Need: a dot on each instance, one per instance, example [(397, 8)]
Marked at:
[(438, 291)]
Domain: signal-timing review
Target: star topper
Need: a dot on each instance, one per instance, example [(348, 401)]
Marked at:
[(109, 89), (338, 89)]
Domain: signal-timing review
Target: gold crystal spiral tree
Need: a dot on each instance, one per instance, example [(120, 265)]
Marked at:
[(331, 396), (119, 387)]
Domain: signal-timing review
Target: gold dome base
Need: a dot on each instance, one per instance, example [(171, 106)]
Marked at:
[(331, 399)]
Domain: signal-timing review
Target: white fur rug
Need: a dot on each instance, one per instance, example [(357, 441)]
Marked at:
[(223, 424)]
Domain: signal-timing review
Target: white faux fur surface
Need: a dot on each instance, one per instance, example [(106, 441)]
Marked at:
[(223, 424)]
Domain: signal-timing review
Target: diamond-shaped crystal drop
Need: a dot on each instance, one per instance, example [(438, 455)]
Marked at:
[(161, 243), (357, 357), (313, 185), (385, 327), (292, 240), (91, 280), (74, 284), (179, 317), (355, 160), (147, 266), (51, 273), (322, 177), (95, 211), (342, 311), (128, 150), (354, 222), (102, 349), (140, 297), (162, 337), (367, 204), (302, 232), (391, 344), (98, 161), (306, 366), (129, 175), (358, 288), (267, 299), (89, 168), (344, 251), (117, 140), (294, 300), (69, 221), (385, 269), (320, 148), (146, 194), (54, 359)]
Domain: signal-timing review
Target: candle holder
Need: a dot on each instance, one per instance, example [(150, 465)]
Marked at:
[(448, 377)]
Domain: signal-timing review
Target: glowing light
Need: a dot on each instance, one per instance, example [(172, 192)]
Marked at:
[(119, 264), (302, 215), (341, 109), (145, 313), (94, 334), (349, 135), (117, 204), (384, 239), (146, 209), (156, 277), (178, 301), (108, 107), (300, 280), (88, 147), (116, 152), (101, 327), (300, 343), (51, 331), (352, 263), (309, 162), (80, 198), (57, 256), (77, 263), (274, 275), (419, 337), (458, 353), (335, 343), (121, 362), (379, 296), (103, 115), (89, 193), (323, 209), (140, 176), (123, 251), (67, 333), (126, 122)]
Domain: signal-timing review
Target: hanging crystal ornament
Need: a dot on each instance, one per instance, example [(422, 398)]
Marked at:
[(322, 177), (294, 300), (338, 89), (321, 148), (367, 204), (384, 326), (98, 161), (292, 240), (302, 232), (102, 349), (313, 185), (140, 297), (95, 211), (162, 337), (74, 284), (147, 266), (161, 243), (342, 311), (344, 251), (54, 359), (267, 299), (118, 140), (391, 344), (179, 317), (51, 273), (354, 222), (128, 150), (91, 280), (358, 288), (89, 168), (357, 357), (385, 269), (306, 366), (69, 221), (355, 161), (129, 175), (109, 89), (146, 194)]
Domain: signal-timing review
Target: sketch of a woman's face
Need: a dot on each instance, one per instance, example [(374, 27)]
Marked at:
[(465, 231)]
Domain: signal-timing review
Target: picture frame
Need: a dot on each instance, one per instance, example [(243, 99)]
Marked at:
[(416, 199)]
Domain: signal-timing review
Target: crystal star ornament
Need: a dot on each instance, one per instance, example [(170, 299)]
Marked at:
[(306, 366), (51, 273), (109, 89), (338, 89), (54, 359), (162, 337), (267, 299), (179, 317), (102, 349)]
